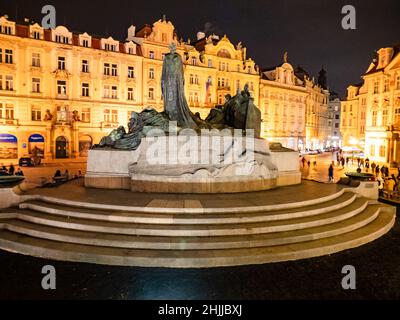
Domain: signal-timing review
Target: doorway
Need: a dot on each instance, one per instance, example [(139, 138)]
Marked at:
[(61, 148)]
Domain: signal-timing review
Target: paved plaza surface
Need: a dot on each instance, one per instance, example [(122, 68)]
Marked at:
[(377, 265)]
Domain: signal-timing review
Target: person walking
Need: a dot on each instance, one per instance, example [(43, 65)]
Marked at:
[(377, 170), (11, 170), (373, 166), (330, 173), (303, 161)]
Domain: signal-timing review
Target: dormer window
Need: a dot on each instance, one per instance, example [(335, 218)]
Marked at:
[(7, 27), (36, 35), (85, 40), (194, 61), (62, 39), (110, 47)]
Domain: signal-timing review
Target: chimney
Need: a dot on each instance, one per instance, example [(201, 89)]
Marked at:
[(200, 35), (131, 33)]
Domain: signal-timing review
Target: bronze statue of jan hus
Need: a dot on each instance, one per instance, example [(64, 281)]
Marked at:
[(238, 112)]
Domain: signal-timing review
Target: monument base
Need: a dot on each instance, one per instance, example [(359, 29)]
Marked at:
[(133, 170)]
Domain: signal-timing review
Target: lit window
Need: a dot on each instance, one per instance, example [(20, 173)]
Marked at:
[(85, 90), (9, 83), (36, 60), (114, 92), (151, 55), (36, 114), (9, 56), (114, 70), (106, 69), (151, 93), (35, 85), (61, 63), (131, 72), (131, 95), (85, 115), (85, 66), (61, 87), (151, 73)]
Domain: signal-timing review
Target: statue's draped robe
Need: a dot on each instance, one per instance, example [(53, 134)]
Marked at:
[(175, 104)]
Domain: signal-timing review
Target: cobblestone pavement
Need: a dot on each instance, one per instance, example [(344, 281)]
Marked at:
[(377, 265)]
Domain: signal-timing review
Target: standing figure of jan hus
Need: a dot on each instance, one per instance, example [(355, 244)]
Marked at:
[(172, 85)]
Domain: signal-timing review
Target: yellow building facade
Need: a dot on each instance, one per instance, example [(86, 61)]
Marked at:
[(373, 109), (61, 92)]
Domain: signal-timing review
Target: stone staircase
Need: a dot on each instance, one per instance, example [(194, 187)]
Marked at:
[(192, 237)]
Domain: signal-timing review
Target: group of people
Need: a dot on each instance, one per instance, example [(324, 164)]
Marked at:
[(10, 171), (66, 176)]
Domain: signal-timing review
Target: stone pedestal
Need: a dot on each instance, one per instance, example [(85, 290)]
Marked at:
[(145, 170)]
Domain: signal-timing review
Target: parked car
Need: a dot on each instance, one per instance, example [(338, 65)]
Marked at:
[(26, 162)]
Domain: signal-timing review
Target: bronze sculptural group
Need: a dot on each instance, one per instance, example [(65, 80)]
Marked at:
[(238, 112)]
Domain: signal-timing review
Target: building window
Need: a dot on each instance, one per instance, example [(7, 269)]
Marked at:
[(386, 85), (194, 61), (110, 47), (111, 115), (62, 39), (85, 89), (114, 70), (9, 56), (85, 66), (397, 82), (85, 43), (61, 63), (385, 114), (114, 92), (9, 83), (151, 93), (374, 118), (209, 63), (61, 87), (131, 72), (106, 69), (382, 151), (164, 37), (36, 60), (151, 73), (372, 150), (85, 115), (131, 95), (36, 114), (151, 55), (6, 111), (249, 69), (35, 85), (376, 86), (397, 116)]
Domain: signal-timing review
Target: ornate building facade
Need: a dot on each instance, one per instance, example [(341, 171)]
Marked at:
[(60, 91), (371, 112)]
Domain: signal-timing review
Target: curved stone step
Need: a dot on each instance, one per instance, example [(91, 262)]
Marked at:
[(194, 230), (177, 219), (190, 243), (196, 258), (223, 208)]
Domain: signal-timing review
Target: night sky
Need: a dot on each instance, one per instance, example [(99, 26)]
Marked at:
[(310, 30)]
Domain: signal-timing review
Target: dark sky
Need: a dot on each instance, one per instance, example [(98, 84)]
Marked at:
[(310, 30)]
